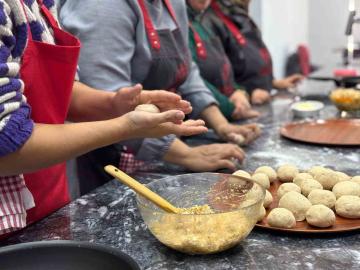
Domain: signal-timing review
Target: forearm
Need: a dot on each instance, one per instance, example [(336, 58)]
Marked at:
[(51, 144), (177, 153), (213, 117), (98, 104)]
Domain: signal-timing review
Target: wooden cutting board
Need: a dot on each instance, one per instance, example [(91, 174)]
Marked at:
[(344, 132)]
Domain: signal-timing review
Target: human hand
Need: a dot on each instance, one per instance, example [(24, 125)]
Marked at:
[(140, 124), (212, 157), (242, 106), (230, 133), (288, 82), (260, 96), (127, 98)]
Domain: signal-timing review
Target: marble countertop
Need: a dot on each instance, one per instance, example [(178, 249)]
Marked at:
[(109, 215)]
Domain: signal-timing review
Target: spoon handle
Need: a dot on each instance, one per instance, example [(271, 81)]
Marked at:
[(141, 189)]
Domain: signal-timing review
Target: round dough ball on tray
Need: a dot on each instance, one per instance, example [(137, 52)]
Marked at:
[(348, 206), (262, 213), (301, 177), (317, 170), (297, 203), (328, 179), (242, 173), (262, 179), (356, 179), (270, 172), (287, 172), (346, 188), (343, 176), (287, 187), (320, 216), (309, 185), (324, 197), (281, 218), (268, 199)]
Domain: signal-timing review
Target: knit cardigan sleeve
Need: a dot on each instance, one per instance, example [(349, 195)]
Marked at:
[(15, 123)]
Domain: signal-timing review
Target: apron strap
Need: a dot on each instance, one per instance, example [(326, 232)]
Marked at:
[(150, 29), (229, 24), (47, 14), (200, 46)]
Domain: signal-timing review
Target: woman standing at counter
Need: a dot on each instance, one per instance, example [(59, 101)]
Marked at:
[(148, 46), (38, 63), (214, 65), (250, 57)]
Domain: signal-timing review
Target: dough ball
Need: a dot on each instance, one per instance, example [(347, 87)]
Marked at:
[(348, 206), (281, 218), (346, 188), (356, 179), (270, 172), (324, 197), (309, 185), (301, 177), (343, 176), (268, 199), (242, 173), (287, 187), (320, 216), (296, 203), (317, 170), (262, 179), (262, 213), (151, 108), (328, 179), (238, 139), (286, 173)]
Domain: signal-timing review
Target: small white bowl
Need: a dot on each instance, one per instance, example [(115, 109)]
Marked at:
[(308, 108)]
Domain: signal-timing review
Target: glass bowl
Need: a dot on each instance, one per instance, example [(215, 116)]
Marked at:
[(235, 205), (347, 100)]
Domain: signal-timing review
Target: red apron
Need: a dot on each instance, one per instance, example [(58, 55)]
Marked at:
[(48, 73)]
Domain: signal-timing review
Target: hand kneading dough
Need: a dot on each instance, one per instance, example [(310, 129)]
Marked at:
[(296, 203), (329, 179), (287, 172), (301, 177), (151, 108), (356, 179), (309, 185), (348, 206), (268, 199), (262, 213), (324, 197), (281, 218), (270, 172), (262, 179), (320, 216), (287, 187), (346, 188)]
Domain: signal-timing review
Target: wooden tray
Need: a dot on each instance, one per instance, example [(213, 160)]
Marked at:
[(344, 132), (341, 224)]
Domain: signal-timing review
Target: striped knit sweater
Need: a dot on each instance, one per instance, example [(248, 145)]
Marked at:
[(15, 123)]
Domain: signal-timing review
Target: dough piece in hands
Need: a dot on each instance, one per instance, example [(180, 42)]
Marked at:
[(268, 199), (324, 197), (287, 187), (262, 179), (343, 176), (329, 179), (262, 213), (151, 108), (296, 203), (242, 173), (287, 172), (270, 172), (320, 216), (238, 139), (281, 218), (301, 177), (309, 185), (348, 206), (356, 179), (346, 188)]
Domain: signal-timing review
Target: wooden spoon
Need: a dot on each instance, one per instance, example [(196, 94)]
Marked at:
[(141, 189)]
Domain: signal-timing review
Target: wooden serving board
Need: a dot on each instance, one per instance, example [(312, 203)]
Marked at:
[(341, 224), (344, 132)]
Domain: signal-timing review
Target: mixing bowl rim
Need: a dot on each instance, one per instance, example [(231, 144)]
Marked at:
[(216, 213)]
